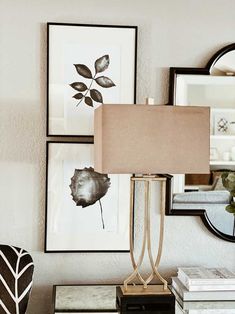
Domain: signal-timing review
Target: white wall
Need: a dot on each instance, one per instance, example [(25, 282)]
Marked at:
[(171, 33)]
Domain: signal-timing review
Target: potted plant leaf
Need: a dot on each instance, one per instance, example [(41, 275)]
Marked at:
[(228, 179)]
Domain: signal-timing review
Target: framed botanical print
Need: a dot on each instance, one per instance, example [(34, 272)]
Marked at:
[(85, 210), (87, 65)]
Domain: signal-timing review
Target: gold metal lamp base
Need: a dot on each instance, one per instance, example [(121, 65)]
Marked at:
[(150, 290), (144, 288), (145, 297)]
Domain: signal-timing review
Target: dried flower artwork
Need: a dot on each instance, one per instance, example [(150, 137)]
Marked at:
[(88, 186), (86, 93)]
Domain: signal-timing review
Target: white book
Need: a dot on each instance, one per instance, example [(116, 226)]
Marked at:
[(197, 278), (187, 295), (206, 305), (203, 307)]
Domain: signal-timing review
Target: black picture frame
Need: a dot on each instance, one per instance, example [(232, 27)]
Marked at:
[(56, 41), (173, 72), (55, 239)]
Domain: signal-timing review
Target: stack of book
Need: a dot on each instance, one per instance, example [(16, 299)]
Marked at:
[(207, 285)]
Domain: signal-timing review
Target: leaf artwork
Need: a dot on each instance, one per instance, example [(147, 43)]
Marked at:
[(88, 187), (83, 70), (96, 95), (78, 96), (101, 64), (89, 101), (79, 86), (104, 82)]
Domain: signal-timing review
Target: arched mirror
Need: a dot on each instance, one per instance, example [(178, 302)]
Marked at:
[(209, 195)]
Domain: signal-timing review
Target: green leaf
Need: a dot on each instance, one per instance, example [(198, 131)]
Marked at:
[(78, 96), (102, 64), (104, 82), (228, 180), (83, 70), (89, 101), (230, 209), (96, 95), (79, 86)]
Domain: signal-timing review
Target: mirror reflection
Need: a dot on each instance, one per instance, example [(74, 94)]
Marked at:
[(211, 191)]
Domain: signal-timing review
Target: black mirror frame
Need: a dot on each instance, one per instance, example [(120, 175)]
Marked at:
[(174, 71)]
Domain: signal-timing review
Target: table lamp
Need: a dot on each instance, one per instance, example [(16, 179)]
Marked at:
[(150, 140)]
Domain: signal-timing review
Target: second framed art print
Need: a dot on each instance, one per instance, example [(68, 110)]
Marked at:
[(85, 210), (87, 65)]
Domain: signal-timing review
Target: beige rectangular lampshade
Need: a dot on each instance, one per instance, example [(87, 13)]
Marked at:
[(152, 139)]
